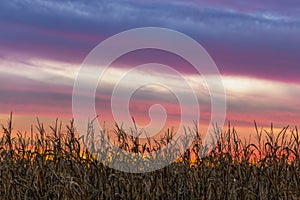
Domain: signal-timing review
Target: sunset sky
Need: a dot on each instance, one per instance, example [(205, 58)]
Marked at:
[(255, 46)]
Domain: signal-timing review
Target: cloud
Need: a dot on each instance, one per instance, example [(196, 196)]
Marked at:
[(248, 99), (255, 46), (69, 30)]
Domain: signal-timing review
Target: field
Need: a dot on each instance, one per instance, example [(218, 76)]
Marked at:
[(54, 165)]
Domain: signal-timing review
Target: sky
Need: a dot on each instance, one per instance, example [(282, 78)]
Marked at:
[(255, 46)]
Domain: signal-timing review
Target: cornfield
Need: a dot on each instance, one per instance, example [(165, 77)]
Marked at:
[(55, 165)]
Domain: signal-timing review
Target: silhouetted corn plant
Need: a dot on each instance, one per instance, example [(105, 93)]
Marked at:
[(57, 165)]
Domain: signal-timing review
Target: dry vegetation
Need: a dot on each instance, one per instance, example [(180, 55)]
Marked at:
[(53, 166)]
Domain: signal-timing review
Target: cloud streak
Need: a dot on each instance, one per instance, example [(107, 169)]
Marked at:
[(248, 99), (256, 48)]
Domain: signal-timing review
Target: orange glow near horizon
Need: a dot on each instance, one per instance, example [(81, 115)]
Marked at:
[(24, 123)]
